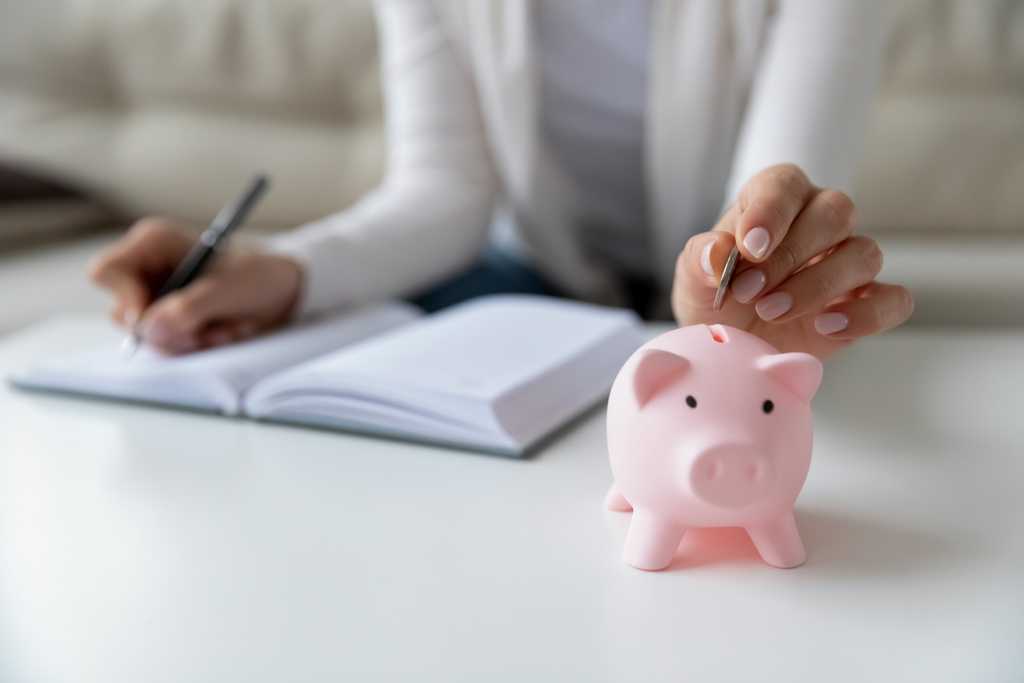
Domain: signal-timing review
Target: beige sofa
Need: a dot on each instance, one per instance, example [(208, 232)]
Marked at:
[(167, 106)]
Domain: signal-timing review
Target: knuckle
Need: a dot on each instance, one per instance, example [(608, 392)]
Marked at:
[(871, 254), (840, 207), (788, 167), (149, 227), (181, 312), (772, 212), (829, 285), (786, 260), (790, 176)]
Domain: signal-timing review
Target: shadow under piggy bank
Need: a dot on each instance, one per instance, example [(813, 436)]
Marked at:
[(837, 545)]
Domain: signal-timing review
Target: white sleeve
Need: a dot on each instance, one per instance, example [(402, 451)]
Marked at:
[(813, 91), (431, 214)]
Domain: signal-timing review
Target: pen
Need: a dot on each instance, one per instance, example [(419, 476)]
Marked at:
[(196, 260)]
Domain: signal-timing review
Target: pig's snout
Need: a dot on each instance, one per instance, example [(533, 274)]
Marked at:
[(730, 476)]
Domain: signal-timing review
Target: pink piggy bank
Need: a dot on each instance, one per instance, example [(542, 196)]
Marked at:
[(710, 426)]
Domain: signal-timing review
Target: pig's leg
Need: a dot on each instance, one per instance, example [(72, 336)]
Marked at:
[(652, 541), (779, 542), (616, 501)]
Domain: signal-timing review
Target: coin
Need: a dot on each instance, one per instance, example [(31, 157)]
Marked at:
[(723, 283)]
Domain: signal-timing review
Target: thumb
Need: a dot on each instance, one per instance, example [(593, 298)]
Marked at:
[(699, 269)]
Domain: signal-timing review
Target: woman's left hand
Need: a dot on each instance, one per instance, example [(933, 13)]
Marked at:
[(805, 282)]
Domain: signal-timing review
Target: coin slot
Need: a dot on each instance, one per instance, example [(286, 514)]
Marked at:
[(718, 333)]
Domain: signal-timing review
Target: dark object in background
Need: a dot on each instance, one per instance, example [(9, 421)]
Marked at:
[(20, 185), (35, 207)]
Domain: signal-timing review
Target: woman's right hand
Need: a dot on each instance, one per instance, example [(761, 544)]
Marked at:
[(242, 293)]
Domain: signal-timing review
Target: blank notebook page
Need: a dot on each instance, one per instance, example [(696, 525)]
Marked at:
[(480, 350)]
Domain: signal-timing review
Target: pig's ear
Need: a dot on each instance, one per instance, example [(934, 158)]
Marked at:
[(655, 371), (801, 372)]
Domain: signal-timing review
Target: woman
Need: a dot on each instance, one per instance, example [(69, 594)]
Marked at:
[(612, 133)]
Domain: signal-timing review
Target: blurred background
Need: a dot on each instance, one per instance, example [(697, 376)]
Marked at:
[(110, 110)]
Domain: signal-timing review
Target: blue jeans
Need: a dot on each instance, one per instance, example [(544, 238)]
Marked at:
[(495, 273)]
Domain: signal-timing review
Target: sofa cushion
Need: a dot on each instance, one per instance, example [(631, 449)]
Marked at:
[(170, 106), (945, 149), (944, 162)]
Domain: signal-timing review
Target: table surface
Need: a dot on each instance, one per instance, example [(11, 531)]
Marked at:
[(139, 544)]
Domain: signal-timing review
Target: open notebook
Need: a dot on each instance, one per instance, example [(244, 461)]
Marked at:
[(497, 373)]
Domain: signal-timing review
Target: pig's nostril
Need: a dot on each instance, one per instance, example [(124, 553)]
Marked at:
[(712, 470)]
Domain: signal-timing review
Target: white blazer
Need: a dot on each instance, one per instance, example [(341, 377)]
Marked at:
[(734, 86)]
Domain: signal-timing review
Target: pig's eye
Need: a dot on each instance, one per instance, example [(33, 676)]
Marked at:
[(691, 401), (767, 406)]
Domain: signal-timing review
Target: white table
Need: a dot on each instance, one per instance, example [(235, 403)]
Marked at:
[(142, 545)]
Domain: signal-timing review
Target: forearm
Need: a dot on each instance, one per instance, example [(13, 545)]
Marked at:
[(431, 214), (395, 241), (813, 91)]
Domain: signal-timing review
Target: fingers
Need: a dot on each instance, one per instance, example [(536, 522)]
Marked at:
[(758, 223), (852, 264), (148, 251), (243, 294), (873, 309), (768, 205), (802, 268), (824, 223), (178, 322)]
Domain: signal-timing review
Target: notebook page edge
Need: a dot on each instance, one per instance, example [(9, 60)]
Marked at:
[(537, 420), (189, 381)]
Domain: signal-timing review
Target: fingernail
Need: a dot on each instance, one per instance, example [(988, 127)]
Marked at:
[(705, 259), (747, 285), (774, 305), (757, 241), (830, 323)]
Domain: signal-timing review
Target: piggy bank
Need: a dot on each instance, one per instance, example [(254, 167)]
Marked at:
[(710, 426)]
